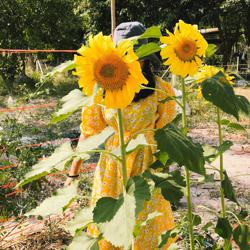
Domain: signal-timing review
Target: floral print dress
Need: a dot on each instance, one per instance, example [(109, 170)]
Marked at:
[(145, 114)]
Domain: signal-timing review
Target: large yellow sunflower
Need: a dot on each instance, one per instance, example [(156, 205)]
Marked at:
[(184, 49), (206, 72), (114, 68)]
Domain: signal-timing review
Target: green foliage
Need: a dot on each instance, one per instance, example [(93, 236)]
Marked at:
[(170, 188), (244, 104), (180, 149), (163, 239), (212, 153), (63, 67), (241, 235), (147, 49), (232, 125), (118, 221), (57, 203), (138, 187), (219, 92), (211, 50), (223, 228), (80, 221), (83, 241), (228, 188), (73, 101), (151, 32), (56, 161)]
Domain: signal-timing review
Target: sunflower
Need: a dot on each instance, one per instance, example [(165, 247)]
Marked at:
[(206, 72), (113, 68), (184, 49)]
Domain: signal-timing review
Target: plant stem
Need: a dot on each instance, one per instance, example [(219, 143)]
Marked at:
[(122, 147), (188, 189), (222, 198)]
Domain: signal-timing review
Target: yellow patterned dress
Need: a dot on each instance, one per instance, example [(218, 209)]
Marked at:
[(144, 114)]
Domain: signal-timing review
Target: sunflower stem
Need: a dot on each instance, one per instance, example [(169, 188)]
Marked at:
[(188, 189), (222, 196), (122, 147)]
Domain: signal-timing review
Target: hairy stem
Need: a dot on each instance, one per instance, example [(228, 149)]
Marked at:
[(188, 189), (222, 196)]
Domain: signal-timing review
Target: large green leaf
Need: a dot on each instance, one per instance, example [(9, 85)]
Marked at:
[(119, 230), (56, 203), (241, 235), (116, 218), (93, 142), (137, 186), (218, 91), (170, 189), (106, 208), (244, 104), (56, 161), (66, 66), (180, 149), (223, 228), (80, 221), (73, 101), (151, 32), (84, 242), (147, 49), (228, 188)]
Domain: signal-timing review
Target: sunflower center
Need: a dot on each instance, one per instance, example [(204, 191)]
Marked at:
[(186, 50), (107, 70), (111, 72)]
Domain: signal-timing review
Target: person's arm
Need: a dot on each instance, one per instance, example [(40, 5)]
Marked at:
[(75, 167)]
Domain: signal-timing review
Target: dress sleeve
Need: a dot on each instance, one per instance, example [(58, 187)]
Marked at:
[(166, 111), (92, 120)]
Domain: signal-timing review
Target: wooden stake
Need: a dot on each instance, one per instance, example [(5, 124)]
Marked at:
[(113, 20)]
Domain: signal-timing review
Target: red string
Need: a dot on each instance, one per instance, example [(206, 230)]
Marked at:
[(8, 110)]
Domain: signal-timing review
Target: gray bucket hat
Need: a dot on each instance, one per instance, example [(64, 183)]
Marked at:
[(134, 29)]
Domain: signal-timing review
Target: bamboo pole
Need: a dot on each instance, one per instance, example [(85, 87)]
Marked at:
[(113, 20)]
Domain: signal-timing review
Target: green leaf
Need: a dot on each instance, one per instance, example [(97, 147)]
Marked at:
[(241, 235), (232, 125), (151, 216), (138, 187), (93, 142), (211, 153), (170, 190), (218, 91), (228, 188), (84, 242), (147, 49), (211, 50), (207, 225), (119, 231), (73, 101), (164, 237), (181, 149), (80, 221), (151, 32), (106, 208), (56, 203), (223, 228), (243, 104), (196, 219), (56, 161), (140, 140), (66, 66)]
